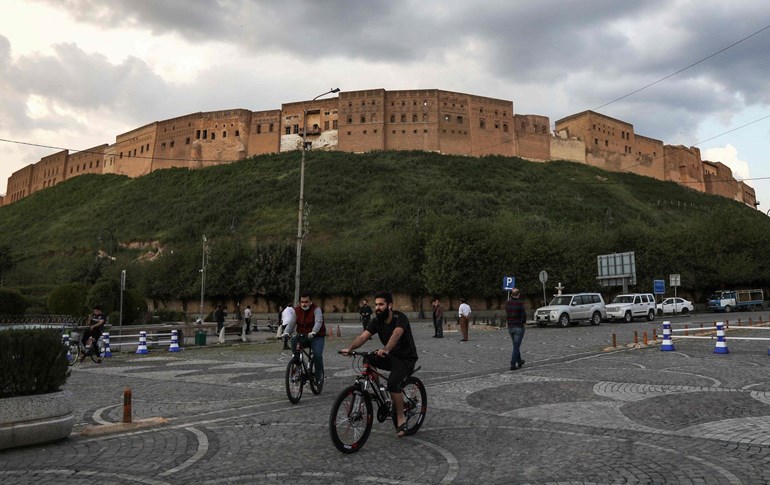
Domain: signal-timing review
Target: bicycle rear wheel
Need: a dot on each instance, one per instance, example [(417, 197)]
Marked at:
[(97, 351), (415, 404), (350, 421), (74, 352), (294, 381)]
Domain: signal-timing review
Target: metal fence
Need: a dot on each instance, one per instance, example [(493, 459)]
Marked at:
[(41, 319)]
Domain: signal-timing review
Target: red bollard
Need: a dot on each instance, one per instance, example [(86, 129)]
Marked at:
[(126, 405), (614, 341), (636, 337), (645, 338)]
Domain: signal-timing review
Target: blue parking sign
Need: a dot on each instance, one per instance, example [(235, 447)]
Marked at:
[(660, 287), (509, 282)]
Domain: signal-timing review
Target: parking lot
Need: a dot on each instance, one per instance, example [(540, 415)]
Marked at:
[(578, 412)]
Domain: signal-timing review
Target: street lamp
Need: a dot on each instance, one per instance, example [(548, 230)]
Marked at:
[(302, 194), (203, 278)]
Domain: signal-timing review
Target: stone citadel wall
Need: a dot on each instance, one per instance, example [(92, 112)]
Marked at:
[(360, 121)]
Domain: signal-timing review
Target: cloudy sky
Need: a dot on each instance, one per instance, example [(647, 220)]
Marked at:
[(75, 73)]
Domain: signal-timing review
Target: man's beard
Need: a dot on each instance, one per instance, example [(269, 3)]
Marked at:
[(383, 315)]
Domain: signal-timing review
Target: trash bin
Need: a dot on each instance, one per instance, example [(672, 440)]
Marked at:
[(200, 337)]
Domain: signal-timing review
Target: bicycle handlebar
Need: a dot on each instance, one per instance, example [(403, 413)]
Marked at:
[(355, 353)]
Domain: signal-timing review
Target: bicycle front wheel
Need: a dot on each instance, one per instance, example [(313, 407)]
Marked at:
[(315, 385), (294, 381), (350, 421), (415, 404)]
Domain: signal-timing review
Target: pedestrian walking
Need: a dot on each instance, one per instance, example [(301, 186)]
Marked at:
[(287, 315), (219, 316), (516, 317), (464, 312), (247, 319), (366, 313), (438, 319)]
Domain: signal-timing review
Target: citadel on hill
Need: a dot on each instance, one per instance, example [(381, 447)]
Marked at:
[(376, 119)]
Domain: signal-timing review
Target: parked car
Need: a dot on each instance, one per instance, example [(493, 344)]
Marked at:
[(626, 307), (566, 310), (675, 305)]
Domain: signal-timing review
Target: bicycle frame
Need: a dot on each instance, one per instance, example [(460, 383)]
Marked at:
[(305, 354)]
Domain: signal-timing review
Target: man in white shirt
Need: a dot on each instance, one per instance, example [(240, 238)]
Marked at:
[(247, 319), (288, 316), (464, 312)]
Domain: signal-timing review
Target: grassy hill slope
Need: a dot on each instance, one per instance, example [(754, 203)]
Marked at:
[(418, 221)]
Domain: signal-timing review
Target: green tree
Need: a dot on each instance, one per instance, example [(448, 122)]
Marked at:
[(7, 261), (12, 302), (105, 294), (272, 272)]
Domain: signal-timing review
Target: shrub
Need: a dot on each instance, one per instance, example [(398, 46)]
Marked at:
[(69, 299), (32, 361), (12, 302)]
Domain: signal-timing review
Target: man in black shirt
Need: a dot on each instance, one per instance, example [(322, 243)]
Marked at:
[(398, 355), (366, 313)]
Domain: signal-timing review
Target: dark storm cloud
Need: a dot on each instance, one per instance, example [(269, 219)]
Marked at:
[(589, 51)]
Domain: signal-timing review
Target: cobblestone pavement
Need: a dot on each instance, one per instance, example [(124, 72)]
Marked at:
[(577, 412)]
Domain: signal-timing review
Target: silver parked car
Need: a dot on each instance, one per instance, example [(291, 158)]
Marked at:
[(566, 310)]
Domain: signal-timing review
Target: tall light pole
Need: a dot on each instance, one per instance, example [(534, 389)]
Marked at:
[(203, 277), (302, 195), (122, 289)]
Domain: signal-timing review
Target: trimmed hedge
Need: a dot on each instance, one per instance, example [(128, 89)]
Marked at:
[(32, 361)]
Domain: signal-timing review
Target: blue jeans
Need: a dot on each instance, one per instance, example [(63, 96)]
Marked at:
[(517, 335), (316, 344)]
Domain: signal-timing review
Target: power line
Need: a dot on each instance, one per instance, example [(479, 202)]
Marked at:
[(682, 69)]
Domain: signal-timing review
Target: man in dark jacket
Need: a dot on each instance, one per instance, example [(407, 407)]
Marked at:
[(516, 316), (309, 320)]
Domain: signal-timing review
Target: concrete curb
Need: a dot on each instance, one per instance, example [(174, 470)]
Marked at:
[(105, 429)]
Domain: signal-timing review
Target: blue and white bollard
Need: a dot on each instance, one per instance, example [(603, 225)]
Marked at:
[(668, 344), (721, 346), (142, 348), (106, 338), (66, 341), (174, 347)]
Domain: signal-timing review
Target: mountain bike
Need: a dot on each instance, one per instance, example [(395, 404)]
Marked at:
[(301, 370), (78, 351), (350, 421)]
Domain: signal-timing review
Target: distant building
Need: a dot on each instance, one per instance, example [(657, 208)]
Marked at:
[(360, 121)]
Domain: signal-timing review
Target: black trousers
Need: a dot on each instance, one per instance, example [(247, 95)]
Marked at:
[(438, 327)]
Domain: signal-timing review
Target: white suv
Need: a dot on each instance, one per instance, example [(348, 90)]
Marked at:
[(626, 307), (571, 309)]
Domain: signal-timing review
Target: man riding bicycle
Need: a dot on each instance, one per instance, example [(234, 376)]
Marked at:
[(398, 355), (94, 330), (309, 319)]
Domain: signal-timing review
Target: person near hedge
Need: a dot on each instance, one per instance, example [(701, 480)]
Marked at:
[(94, 331)]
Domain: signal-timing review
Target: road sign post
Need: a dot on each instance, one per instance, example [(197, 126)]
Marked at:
[(543, 277), (675, 280)]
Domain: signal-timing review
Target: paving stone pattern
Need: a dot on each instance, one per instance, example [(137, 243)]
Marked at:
[(577, 413)]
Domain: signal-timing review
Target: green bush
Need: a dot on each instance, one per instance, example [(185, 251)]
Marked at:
[(32, 361), (69, 299), (12, 302)]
